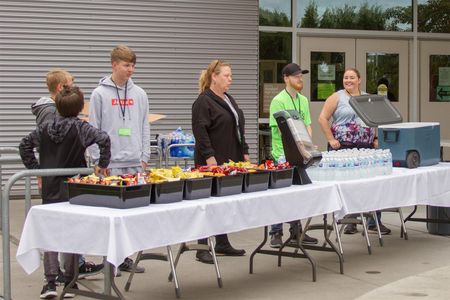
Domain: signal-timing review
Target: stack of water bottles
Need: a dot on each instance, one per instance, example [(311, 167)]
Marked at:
[(348, 164), (178, 137)]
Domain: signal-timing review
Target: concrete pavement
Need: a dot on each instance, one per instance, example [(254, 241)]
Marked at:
[(418, 267)]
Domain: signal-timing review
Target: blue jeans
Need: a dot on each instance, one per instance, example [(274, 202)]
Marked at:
[(278, 228), (372, 220)]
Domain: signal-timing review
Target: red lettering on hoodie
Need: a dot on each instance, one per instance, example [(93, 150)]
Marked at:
[(124, 102)]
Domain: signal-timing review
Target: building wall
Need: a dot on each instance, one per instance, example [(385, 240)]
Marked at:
[(173, 39)]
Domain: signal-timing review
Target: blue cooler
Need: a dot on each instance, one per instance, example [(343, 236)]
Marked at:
[(412, 144)]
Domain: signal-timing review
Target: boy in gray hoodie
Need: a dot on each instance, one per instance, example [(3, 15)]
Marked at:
[(120, 107), (44, 109)]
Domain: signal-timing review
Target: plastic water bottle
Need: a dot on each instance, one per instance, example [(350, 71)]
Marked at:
[(387, 157), (281, 159)]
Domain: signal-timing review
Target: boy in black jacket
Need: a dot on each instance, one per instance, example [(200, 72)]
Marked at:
[(62, 143), (45, 110)]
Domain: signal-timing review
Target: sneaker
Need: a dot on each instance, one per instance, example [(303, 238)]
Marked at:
[(127, 266), (276, 240), (49, 291), (89, 269), (350, 229), (204, 256), (383, 229), (70, 295), (307, 240)]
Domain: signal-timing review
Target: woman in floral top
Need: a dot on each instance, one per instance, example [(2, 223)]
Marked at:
[(348, 130)]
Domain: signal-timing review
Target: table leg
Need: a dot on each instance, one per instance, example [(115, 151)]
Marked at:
[(252, 256), (366, 234), (327, 239), (133, 271), (216, 264), (181, 250), (108, 273), (173, 273)]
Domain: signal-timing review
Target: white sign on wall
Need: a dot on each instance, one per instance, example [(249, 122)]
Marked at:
[(326, 72)]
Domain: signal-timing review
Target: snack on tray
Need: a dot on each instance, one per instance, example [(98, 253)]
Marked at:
[(269, 165), (219, 171), (122, 180)]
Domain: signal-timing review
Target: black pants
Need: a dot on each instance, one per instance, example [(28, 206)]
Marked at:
[(221, 240)]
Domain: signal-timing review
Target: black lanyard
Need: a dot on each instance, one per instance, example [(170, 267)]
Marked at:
[(293, 102), (122, 109)]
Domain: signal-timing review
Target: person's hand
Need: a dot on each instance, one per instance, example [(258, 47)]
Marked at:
[(246, 157), (39, 182), (375, 143), (211, 161), (101, 171), (144, 165), (334, 144)]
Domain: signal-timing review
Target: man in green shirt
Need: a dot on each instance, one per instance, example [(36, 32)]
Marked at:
[(288, 99)]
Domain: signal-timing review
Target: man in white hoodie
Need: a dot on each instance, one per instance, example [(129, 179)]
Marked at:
[(120, 107)]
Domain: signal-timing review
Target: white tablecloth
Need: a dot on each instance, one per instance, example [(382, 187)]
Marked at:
[(117, 233), (404, 187)]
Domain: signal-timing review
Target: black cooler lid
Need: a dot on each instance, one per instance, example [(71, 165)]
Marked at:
[(375, 110)]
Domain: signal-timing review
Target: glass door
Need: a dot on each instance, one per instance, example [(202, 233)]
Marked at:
[(434, 78), (326, 59), (383, 67)]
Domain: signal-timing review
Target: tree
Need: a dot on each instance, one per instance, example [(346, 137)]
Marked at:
[(328, 19), (311, 17), (371, 17), (434, 16), (345, 17), (273, 18)]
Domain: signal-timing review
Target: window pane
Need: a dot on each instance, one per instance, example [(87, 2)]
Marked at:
[(434, 16), (326, 71), (275, 13), (391, 15), (275, 51), (382, 74), (440, 78)]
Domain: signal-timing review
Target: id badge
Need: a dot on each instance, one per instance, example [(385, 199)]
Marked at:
[(124, 131)]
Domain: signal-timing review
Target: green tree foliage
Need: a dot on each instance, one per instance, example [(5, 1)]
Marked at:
[(434, 16), (345, 17), (368, 17), (311, 17), (268, 17), (371, 17), (328, 19)]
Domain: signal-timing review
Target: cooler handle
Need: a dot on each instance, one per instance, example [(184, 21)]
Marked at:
[(390, 135)]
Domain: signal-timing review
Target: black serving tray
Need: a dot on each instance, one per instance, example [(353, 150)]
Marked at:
[(227, 185), (256, 181), (128, 196), (167, 192), (280, 178), (196, 188)]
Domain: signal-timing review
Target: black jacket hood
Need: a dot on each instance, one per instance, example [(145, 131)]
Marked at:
[(59, 128)]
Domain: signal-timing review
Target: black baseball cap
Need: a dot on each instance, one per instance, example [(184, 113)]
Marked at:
[(292, 69)]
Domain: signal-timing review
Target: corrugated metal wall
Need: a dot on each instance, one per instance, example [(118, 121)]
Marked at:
[(173, 39)]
